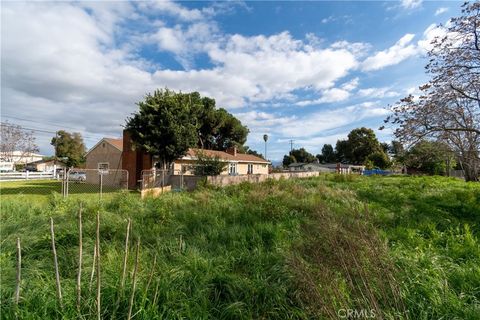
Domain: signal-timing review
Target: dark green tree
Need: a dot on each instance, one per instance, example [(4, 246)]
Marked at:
[(342, 151), (164, 125), (69, 146), (298, 155), (230, 131), (328, 154), (288, 159), (168, 123), (362, 142), (302, 155), (379, 159), (429, 157), (217, 129)]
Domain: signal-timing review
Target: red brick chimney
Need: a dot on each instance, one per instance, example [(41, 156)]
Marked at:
[(134, 161), (232, 151)]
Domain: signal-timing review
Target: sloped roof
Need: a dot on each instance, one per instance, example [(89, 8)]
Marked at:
[(44, 161), (242, 157), (118, 143)]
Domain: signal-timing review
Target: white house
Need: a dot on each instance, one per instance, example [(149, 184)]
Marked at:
[(20, 157)]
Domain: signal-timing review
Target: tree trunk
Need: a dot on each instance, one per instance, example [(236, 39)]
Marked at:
[(471, 169), (471, 174)]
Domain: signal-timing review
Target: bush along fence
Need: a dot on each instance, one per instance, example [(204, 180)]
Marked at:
[(87, 300)]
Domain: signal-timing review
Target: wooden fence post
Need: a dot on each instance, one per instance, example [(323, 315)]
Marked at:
[(19, 272), (98, 268), (55, 261), (80, 253)]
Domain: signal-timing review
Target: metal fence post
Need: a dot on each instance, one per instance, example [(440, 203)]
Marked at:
[(61, 186), (181, 179), (163, 178), (66, 183), (101, 184)]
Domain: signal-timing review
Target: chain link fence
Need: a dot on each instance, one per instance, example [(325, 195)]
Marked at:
[(176, 179), (67, 182), (95, 181), (159, 178)]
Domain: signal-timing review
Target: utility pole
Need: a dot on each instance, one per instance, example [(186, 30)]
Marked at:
[(291, 145)]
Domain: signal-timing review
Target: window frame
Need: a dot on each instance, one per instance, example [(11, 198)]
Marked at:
[(103, 170)]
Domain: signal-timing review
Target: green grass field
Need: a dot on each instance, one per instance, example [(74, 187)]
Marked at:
[(40, 191), (394, 247)]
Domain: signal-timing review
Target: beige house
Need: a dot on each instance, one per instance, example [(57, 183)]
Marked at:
[(238, 163), (105, 159), (108, 156)]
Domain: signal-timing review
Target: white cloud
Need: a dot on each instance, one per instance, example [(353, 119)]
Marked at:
[(281, 64), (441, 10), (316, 123), (174, 9), (379, 93), (347, 19), (401, 50), (91, 69), (64, 63), (429, 35), (359, 49), (328, 19), (328, 96), (185, 42), (351, 85), (332, 95), (411, 4)]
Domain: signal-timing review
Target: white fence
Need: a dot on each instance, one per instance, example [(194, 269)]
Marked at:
[(75, 181), (27, 175)]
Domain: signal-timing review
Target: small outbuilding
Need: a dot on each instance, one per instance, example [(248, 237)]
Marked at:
[(48, 165)]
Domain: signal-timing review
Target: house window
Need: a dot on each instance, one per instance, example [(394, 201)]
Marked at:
[(250, 168), (232, 169), (103, 167)]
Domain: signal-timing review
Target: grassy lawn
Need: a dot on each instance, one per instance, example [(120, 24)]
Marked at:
[(397, 247), (40, 191)]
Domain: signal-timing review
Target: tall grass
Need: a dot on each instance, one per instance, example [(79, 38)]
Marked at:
[(290, 249)]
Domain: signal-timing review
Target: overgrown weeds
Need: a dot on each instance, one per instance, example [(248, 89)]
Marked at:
[(291, 249)]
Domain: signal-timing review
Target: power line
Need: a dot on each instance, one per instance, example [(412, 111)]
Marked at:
[(45, 131), (56, 124), (25, 128), (41, 122)]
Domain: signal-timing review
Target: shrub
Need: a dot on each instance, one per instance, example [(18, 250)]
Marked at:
[(208, 166)]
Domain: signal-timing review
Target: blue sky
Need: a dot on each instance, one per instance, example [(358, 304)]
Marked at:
[(307, 71)]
